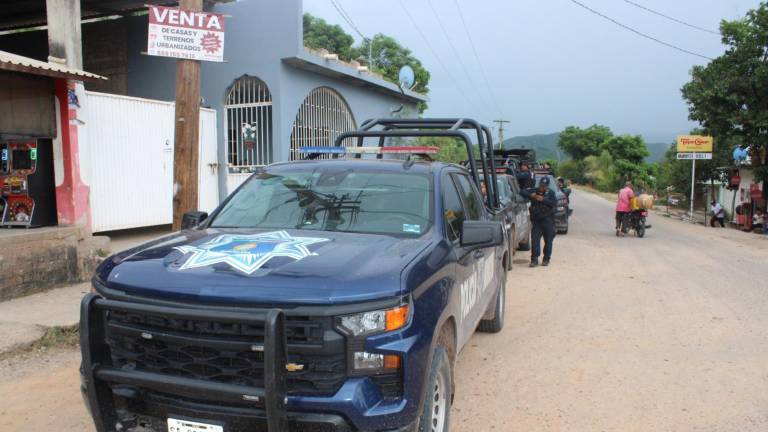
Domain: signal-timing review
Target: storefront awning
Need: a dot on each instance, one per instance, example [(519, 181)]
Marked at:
[(16, 63)]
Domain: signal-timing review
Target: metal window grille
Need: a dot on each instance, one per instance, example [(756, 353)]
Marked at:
[(249, 102), (322, 117)]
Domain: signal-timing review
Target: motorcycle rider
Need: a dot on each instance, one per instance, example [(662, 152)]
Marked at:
[(623, 206)]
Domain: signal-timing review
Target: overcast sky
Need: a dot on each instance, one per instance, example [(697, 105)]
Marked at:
[(551, 63)]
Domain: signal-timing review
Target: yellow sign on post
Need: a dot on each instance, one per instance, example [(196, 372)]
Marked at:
[(695, 144)]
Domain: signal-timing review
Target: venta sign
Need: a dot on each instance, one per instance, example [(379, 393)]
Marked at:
[(185, 34)]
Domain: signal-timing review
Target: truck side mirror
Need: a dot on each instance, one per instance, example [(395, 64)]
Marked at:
[(567, 191), (193, 219), (481, 234)]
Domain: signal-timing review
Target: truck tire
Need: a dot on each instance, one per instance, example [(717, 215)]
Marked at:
[(495, 324), (436, 415), (525, 246)]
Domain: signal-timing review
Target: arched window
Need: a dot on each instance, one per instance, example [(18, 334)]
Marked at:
[(322, 117), (248, 108)]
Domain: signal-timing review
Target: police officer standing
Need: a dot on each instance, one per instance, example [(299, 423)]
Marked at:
[(543, 203)]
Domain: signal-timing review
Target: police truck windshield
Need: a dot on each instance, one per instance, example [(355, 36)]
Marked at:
[(346, 200)]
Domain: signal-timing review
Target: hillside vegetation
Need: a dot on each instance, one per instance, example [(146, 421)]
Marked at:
[(547, 149)]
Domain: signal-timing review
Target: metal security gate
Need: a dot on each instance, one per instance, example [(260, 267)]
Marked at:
[(248, 102), (126, 152), (322, 117)]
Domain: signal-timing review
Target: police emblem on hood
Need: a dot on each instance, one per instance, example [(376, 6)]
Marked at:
[(247, 253)]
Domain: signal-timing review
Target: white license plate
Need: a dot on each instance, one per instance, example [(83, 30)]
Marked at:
[(176, 425)]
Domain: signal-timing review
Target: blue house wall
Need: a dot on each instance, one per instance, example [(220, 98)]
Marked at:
[(260, 35)]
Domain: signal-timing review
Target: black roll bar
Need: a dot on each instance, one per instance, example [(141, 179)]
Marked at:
[(437, 127)]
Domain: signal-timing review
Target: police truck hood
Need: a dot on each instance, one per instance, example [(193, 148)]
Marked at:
[(258, 267)]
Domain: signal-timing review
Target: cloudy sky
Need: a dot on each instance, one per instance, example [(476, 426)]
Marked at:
[(551, 63)]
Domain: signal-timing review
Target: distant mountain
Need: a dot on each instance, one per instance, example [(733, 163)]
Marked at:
[(658, 150), (546, 147)]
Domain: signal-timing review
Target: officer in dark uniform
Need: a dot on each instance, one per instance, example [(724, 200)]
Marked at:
[(543, 203), (524, 177)]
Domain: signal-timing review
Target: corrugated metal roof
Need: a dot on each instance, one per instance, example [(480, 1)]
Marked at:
[(17, 63)]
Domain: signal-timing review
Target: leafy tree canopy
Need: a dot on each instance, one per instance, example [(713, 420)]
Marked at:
[(387, 54), (581, 143), (628, 148), (729, 96), (318, 34)]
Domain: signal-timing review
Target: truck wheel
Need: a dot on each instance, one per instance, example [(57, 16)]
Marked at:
[(437, 400), (525, 246), (495, 324)]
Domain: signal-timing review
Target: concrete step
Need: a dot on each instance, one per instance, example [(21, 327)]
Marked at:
[(23, 321)]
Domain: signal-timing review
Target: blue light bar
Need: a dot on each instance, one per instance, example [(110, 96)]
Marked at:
[(323, 150)]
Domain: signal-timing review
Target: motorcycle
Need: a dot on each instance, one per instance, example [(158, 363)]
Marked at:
[(635, 221)]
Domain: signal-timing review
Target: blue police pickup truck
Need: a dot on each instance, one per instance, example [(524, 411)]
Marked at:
[(329, 295)]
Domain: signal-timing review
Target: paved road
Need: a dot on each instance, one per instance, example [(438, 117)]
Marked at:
[(666, 333)]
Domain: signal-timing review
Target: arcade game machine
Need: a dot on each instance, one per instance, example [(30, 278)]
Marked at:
[(27, 191)]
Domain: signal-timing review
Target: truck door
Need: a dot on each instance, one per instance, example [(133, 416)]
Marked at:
[(475, 269)]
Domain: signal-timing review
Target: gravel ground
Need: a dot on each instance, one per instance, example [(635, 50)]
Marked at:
[(664, 333)]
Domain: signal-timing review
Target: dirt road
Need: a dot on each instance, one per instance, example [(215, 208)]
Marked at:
[(666, 333)]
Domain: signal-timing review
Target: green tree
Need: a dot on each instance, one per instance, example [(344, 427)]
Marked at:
[(388, 56), (630, 148), (729, 96), (574, 170), (318, 34), (600, 172), (580, 143)]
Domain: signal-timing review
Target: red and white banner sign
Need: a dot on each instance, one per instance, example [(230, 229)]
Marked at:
[(185, 34)]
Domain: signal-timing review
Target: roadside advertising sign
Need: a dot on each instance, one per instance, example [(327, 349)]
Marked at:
[(694, 144), (694, 156), (185, 34)]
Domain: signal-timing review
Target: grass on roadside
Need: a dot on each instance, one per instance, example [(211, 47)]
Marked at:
[(59, 337)]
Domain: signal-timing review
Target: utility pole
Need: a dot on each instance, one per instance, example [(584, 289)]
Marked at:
[(187, 129), (501, 132)]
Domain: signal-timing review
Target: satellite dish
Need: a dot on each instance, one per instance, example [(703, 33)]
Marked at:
[(407, 78), (740, 154)]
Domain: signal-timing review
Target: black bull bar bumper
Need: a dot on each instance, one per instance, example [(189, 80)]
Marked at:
[(98, 373)]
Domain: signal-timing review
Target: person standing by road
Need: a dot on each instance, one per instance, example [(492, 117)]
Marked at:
[(543, 203), (622, 205), (718, 215)]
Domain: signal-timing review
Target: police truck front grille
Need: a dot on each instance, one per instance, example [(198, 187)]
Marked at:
[(221, 352)]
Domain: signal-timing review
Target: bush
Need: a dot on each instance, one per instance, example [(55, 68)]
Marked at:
[(574, 171)]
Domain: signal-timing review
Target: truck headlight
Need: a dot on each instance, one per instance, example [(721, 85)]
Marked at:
[(365, 361), (366, 323)]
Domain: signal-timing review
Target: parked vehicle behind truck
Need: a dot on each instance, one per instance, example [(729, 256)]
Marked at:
[(321, 295)]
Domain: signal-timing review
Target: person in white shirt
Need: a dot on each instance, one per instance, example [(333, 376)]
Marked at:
[(718, 215)]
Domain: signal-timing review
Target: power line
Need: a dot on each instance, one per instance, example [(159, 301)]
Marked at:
[(477, 57), (434, 53), (667, 44), (347, 18), (672, 18), (456, 53), (639, 33)]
